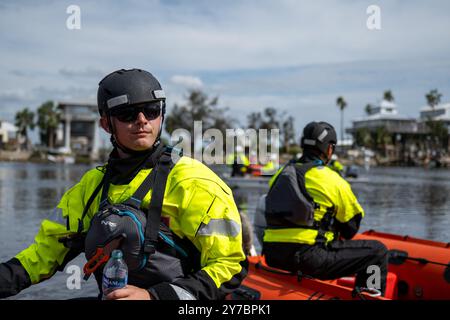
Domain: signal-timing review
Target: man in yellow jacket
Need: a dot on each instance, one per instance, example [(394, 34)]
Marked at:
[(335, 165), (195, 251), (238, 162), (311, 232)]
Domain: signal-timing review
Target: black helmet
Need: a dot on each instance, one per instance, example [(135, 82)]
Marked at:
[(318, 135), (128, 87)]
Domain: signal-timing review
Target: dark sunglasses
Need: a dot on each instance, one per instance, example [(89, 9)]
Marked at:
[(151, 111)]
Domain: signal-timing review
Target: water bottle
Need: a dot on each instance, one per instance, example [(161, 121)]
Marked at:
[(115, 273)]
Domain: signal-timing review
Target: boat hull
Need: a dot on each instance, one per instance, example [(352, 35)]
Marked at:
[(418, 270)]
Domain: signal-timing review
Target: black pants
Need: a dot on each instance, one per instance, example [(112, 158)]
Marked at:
[(339, 259), (237, 170)]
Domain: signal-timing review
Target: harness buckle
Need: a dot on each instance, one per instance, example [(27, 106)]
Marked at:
[(100, 257), (149, 247)]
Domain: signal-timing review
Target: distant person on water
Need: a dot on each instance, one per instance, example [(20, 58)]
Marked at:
[(271, 166), (335, 165), (238, 162), (311, 215), (174, 219)]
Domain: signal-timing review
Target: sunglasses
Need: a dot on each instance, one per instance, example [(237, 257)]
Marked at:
[(150, 110)]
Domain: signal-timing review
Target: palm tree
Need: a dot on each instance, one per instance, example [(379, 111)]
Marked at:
[(25, 120), (363, 138), (48, 120), (368, 109), (382, 139), (433, 98), (437, 128), (288, 133), (341, 104), (388, 96)]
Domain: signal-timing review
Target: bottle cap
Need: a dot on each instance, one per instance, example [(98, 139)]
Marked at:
[(117, 254)]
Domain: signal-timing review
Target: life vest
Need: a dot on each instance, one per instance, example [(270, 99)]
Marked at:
[(288, 204), (335, 202)]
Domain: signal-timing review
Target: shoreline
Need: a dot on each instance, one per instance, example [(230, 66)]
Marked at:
[(41, 157)]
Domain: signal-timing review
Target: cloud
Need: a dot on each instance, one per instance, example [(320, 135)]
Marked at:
[(309, 92), (19, 73), (86, 72), (179, 36), (291, 54), (11, 96), (189, 82)]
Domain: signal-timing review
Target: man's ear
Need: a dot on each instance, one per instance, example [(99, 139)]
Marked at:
[(329, 153), (104, 124)]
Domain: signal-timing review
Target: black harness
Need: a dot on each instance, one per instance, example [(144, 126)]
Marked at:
[(322, 226), (155, 181)]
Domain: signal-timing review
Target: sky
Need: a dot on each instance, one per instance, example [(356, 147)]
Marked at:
[(295, 56)]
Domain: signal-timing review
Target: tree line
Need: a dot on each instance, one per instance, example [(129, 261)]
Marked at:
[(199, 106), (48, 117)]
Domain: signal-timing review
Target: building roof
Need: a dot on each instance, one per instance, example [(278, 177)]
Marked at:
[(384, 110), (77, 111), (387, 104), (379, 116), (7, 126), (385, 115), (66, 103), (439, 112), (445, 106)]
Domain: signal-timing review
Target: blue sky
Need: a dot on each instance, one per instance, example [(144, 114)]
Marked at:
[(297, 56)]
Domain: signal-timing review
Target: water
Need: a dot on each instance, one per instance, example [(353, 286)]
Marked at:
[(28, 193), (410, 201)]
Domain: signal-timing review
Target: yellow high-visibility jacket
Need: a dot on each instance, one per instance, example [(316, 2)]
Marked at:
[(198, 206), (331, 192)]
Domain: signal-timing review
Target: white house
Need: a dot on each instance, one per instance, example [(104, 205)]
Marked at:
[(7, 131), (78, 131), (439, 112), (385, 115)]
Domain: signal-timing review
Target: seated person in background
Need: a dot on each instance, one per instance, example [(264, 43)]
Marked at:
[(335, 165), (239, 163), (312, 214)]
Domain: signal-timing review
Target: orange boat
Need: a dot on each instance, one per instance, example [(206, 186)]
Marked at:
[(418, 270)]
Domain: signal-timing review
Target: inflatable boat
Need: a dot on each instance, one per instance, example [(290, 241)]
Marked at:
[(418, 270)]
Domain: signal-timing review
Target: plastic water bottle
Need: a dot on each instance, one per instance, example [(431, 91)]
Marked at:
[(115, 273)]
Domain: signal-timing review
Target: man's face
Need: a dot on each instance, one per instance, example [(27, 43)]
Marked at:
[(138, 133)]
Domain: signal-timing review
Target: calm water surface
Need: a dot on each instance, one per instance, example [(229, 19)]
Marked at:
[(409, 201)]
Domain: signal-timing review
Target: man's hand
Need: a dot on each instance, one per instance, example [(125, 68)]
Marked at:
[(129, 293)]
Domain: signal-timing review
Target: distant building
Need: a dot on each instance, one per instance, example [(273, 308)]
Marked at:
[(8, 132), (343, 146), (406, 135), (78, 132), (439, 112), (386, 115)]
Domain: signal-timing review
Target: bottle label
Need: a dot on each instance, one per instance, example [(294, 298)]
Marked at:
[(114, 283), (114, 278)]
